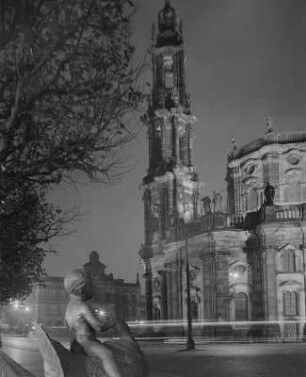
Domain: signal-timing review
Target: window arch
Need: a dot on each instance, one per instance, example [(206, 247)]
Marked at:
[(288, 261), (241, 306), (290, 303)]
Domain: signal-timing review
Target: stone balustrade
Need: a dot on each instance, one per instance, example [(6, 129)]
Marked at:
[(218, 221), (283, 213), (210, 222)]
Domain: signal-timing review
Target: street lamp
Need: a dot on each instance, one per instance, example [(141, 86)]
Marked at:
[(190, 342)]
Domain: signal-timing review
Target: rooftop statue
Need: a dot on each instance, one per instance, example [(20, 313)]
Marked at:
[(217, 201), (88, 356), (269, 194), (206, 205)]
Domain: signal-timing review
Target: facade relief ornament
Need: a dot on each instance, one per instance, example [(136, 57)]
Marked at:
[(155, 209), (293, 159), (290, 282), (193, 272), (250, 168), (293, 172), (269, 125), (181, 131), (205, 257), (156, 283), (175, 97)]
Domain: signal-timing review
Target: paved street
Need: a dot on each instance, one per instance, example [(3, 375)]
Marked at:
[(229, 360), (208, 360)]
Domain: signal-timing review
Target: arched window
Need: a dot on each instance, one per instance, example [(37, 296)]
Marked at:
[(241, 307), (288, 261), (290, 303)]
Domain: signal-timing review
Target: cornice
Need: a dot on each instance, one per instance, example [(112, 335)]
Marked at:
[(270, 142)]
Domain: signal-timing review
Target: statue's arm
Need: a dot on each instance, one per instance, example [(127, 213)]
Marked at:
[(93, 321)]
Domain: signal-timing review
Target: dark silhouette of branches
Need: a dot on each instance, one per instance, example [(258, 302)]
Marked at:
[(68, 85)]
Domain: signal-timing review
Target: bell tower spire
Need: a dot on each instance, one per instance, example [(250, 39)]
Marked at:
[(171, 186)]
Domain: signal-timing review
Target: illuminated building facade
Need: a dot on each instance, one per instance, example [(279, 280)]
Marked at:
[(246, 256), (47, 302)]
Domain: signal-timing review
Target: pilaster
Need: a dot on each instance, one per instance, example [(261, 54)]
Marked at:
[(269, 283), (208, 267)]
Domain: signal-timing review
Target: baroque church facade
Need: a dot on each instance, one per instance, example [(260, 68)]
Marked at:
[(247, 261)]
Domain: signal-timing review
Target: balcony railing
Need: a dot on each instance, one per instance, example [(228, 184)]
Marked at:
[(223, 221), (210, 222), (283, 213)]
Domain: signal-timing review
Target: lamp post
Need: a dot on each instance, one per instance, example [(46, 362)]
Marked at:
[(190, 342)]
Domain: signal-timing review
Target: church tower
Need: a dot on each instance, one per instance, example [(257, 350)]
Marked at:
[(171, 186)]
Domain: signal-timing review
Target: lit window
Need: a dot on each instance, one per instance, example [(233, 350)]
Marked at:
[(290, 303)]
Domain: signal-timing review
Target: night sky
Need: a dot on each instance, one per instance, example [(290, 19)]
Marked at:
[(246, 61)]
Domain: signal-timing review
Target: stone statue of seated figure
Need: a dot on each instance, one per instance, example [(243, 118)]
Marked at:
[(88, 357)]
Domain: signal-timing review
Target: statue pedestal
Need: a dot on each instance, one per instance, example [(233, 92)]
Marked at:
[(59, 362)]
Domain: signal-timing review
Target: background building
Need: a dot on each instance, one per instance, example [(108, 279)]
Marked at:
[(47, 302), (246, 254)]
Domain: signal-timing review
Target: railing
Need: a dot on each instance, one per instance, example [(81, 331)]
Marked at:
[(283, 213), (219, 221), (209, 222)]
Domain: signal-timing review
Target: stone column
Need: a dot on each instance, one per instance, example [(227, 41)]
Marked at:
[(170, 296), (177, 141), (237, 188), (179, 282), (190, 146), (208, 286), (221, 287), (164, 298), (148, 288)]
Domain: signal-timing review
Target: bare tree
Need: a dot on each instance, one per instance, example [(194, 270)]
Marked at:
[(67, 92), (67, 88)]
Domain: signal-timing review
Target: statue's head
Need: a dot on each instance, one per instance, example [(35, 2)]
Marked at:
[(78, 283)]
